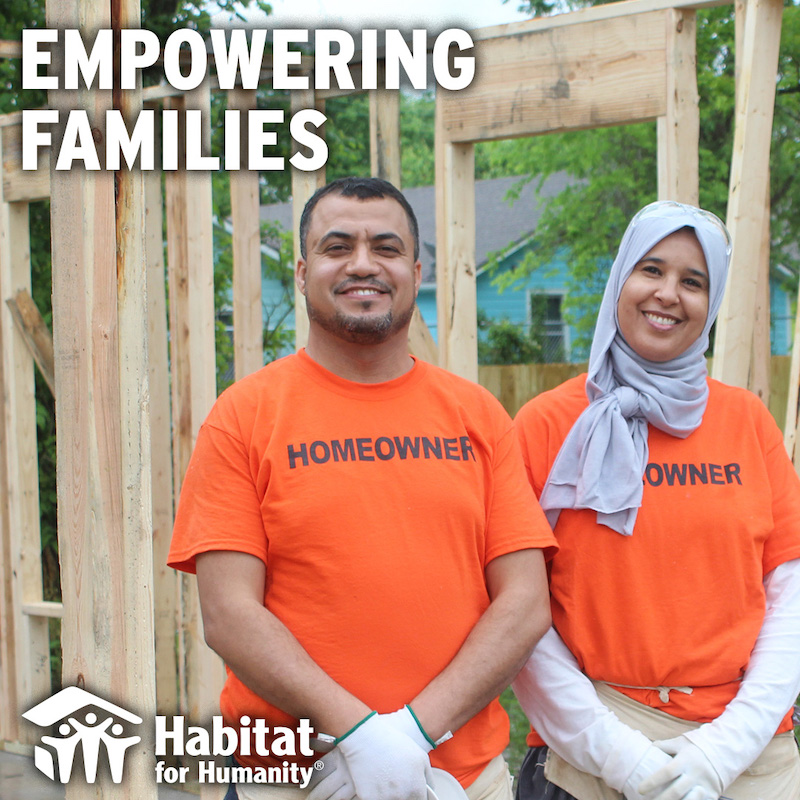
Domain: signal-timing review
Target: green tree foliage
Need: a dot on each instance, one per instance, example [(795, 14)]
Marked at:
[(505, 342), (615, 168)]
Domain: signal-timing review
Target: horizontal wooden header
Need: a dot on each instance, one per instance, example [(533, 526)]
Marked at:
[(606, 72), (18, 185)]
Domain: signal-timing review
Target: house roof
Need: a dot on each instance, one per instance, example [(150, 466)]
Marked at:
[(499, 222)]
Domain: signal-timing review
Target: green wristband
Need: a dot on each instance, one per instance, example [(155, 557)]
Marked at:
[(358, 725), (419, 725)]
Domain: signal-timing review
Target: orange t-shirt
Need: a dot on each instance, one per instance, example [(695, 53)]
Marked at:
[(681, 601), (376, 508)]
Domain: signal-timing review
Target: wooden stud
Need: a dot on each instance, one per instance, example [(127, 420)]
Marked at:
[(100, 342), (248, 314), (9, 712), (759, 381), (35, 333), (679, 128), (384, 133), (32, 646), (165, 579), (304, 184), (790, 427), (191, 288), (19, 185), (747, 201), (455, 260)]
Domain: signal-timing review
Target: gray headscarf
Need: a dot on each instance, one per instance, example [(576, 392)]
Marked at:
[(602, 460)]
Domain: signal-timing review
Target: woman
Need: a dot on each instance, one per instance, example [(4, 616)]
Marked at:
[(674, 656)]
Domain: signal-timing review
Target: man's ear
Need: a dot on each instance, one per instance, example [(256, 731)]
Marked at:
[(417, 276), (300, 275)]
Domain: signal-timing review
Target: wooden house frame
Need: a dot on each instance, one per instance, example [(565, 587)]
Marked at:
[(132, 386)]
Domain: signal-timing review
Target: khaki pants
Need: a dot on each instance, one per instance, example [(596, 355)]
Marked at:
[(774, 775), (494, 783)]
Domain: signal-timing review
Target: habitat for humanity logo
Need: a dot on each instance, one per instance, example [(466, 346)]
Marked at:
[(74, 709)]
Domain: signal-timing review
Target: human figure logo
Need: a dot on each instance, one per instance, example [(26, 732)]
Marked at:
[(74, 711)]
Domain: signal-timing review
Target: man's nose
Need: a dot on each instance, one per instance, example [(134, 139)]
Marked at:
[(362, 261)]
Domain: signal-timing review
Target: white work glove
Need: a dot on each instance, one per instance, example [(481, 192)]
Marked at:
[(769, 687), (652, 760), (563, 706), (385, 764), (334, 782), (405, 721), (688, 776)]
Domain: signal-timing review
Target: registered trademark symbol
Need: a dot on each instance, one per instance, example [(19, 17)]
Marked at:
[(318, 765)]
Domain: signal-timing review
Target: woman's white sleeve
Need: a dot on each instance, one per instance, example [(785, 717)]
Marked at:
[(562, 705), (770, 684)]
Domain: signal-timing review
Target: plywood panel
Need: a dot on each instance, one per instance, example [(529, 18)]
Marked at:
[(587, 75)]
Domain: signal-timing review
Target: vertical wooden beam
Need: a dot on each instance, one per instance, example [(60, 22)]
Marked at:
[(32, 646), (748, 194), (132, 559), (165, 581), (9, 713), (100, 342), (191, 287), (759, 381), (304, 184), (456, 294), (248, 314), (24, 657), (679, 129), (385, 162), (384, 133)]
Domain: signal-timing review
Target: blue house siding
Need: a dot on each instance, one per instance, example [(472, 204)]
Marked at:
[(781, 320), (502, 223)]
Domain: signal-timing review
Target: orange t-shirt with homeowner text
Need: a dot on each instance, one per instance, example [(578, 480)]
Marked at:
[(681, 601), (376, 508)]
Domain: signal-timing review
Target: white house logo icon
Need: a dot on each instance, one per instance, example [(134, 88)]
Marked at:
[(73, 708)]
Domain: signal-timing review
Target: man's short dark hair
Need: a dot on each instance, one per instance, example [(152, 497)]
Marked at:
[(363, 189)]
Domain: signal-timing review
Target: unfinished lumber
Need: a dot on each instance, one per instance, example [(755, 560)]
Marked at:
[(384, 133), (304, 184), (748, 193), (35, 333), (455, 263), (100, 344), (165, 580), (592, 74), (248, 313), (32, 647), (679, 128), (19, 185)]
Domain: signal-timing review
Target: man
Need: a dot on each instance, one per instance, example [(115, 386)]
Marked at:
[(363, 533)]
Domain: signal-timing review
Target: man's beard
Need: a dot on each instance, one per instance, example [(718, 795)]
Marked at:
[(361, 329)]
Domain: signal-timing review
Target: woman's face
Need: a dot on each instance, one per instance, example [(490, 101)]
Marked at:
[(663, 305)]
